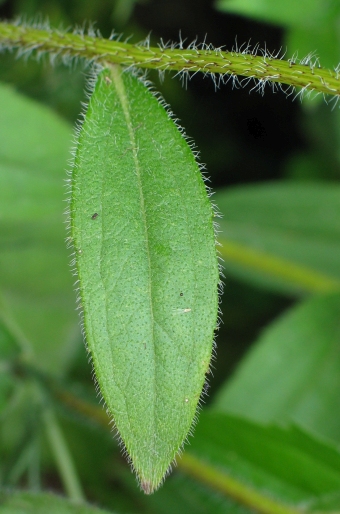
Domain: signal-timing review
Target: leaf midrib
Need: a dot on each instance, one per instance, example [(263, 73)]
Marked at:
[(116, 74)]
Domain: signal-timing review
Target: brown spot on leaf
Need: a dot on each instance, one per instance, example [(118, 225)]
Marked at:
[(147, 487)]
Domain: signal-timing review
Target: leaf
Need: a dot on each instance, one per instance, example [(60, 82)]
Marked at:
[(144, 242), (9, 345), (9, 350), (41, 503), (319, 39), (282, 12), (229, 464), (268, 467), (95, 449), (7, 387), (311, 25), (35, 279), (283, 236), (292, 374)]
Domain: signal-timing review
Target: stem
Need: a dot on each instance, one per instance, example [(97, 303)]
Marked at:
[(14, 330), (231, 487), (82, 407), (22, 464), (306, 280), (34, 466), (209, 61), (62, 457)]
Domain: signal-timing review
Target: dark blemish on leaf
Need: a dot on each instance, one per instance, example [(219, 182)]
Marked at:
[(94, 216), (127, 150), (138, 126), (147, 487), (180, 294)]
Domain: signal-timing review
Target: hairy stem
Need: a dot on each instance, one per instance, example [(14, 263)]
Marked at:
[(264, 68)]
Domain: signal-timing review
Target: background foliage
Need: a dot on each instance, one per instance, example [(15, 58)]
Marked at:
[(275, 166)]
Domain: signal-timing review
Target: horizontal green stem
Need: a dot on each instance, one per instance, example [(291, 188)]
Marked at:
[(303, 278), (82, 407), (232, 487), (263, 68)]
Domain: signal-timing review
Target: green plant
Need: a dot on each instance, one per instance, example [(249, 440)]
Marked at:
[(127, 207)]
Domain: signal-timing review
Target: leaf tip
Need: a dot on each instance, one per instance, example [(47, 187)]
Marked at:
[(148, 487), (150, 483)]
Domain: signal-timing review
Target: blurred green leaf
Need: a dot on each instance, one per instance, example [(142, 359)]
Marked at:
[(35, 279), (292, 374), (9, 345), (267, 463), (321, 41), (19, 429), (122, 11), (312, 25), (282, 12), (306, 166), (284, 236), (38, 503), (183, 494), (7, 387), (9, 350)]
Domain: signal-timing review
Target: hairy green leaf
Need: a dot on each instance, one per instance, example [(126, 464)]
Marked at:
[(293, 371), (145, 250)]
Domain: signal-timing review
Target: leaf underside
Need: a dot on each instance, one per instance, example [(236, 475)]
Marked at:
[(142, 227)]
